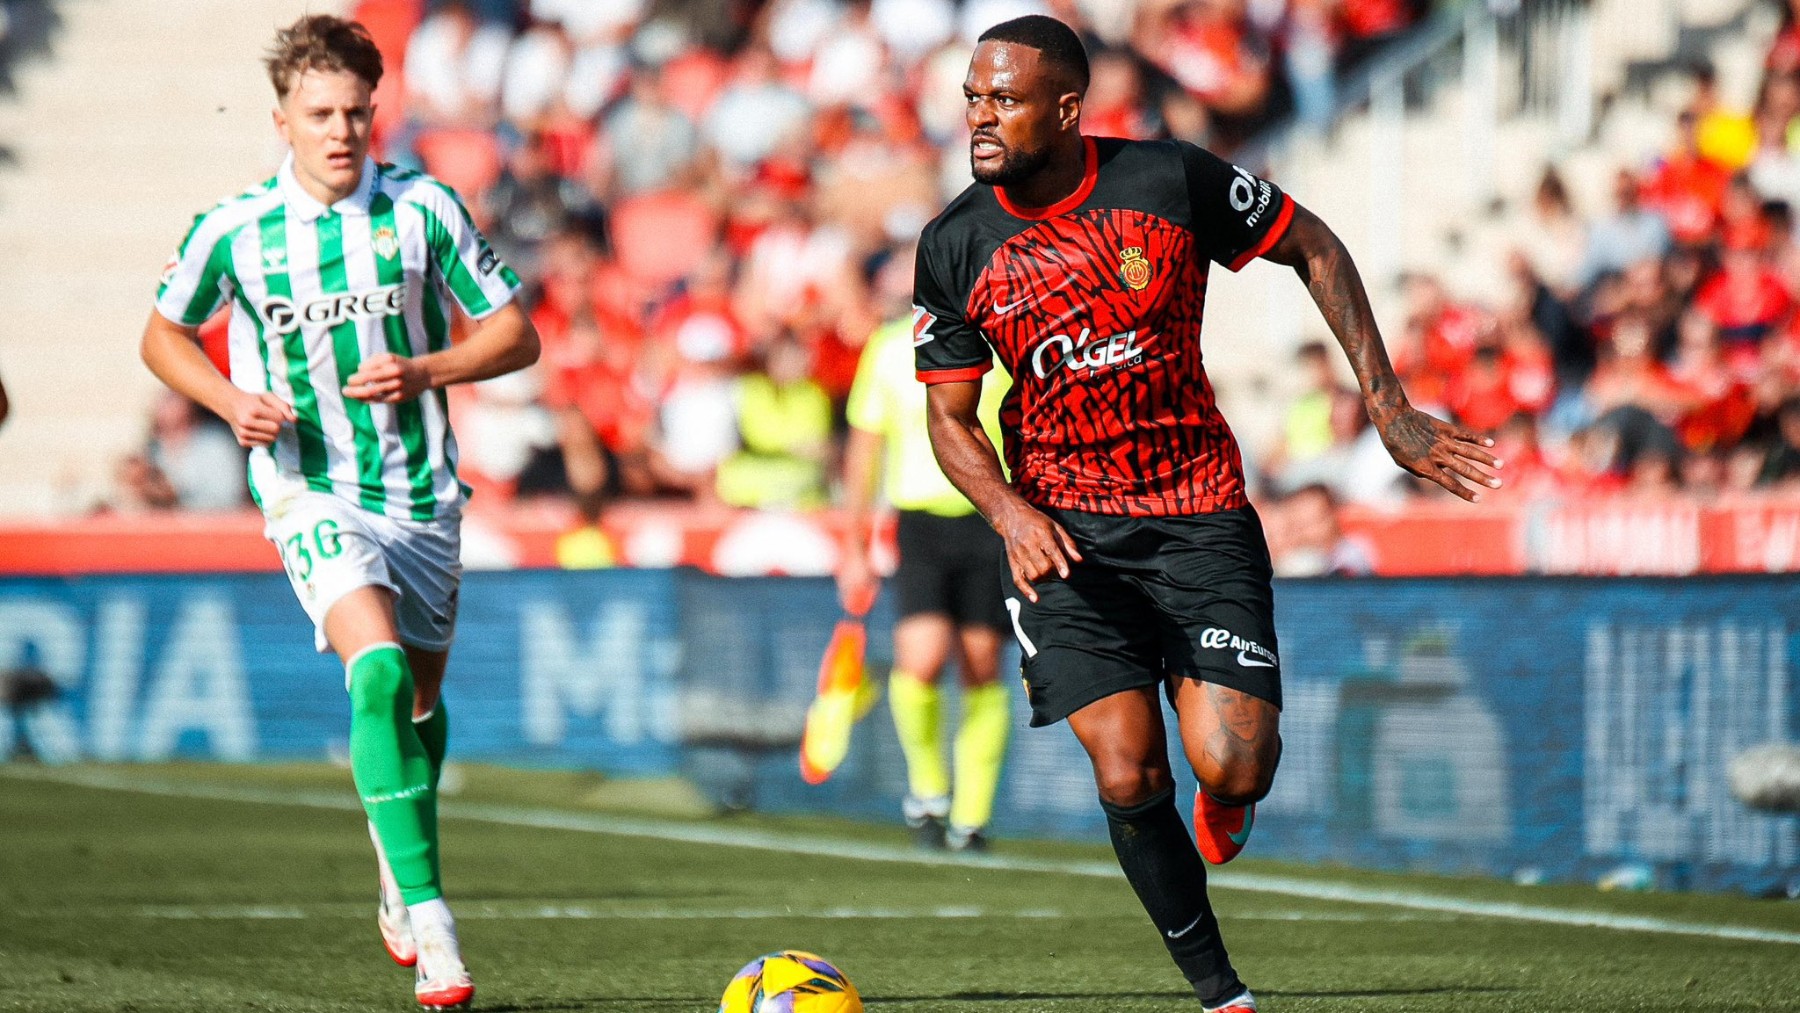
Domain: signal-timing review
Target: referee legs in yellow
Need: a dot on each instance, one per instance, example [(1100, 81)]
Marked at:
[(964, 794)]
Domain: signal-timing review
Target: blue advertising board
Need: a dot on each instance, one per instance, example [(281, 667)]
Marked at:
[(1538, 728)]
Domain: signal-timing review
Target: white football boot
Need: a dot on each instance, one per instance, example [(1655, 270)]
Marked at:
[(443, 982)]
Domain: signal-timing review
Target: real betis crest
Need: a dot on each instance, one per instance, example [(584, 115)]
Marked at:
[(387, 245), (1135, 268)]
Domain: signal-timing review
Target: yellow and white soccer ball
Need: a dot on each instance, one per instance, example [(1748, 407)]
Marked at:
[(791, 981)]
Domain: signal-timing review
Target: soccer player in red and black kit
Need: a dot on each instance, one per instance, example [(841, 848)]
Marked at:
[(1136, 562)]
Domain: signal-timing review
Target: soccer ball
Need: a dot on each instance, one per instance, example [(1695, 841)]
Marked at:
[(790, 982)]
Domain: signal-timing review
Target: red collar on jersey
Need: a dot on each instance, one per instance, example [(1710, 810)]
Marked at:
[(1089, 173)]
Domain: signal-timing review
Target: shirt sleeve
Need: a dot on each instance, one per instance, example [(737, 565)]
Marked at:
[(1237, 216), (197, 278), (477, 279), (946, 347)]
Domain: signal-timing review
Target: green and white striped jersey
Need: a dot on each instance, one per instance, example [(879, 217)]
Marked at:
[(314, 291)]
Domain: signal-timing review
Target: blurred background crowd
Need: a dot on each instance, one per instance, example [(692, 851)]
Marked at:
[(713, 204)]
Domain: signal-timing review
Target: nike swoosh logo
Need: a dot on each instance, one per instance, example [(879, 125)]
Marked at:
[(1190, 927), (1002, 309), (1249, 662), (1243, 833)]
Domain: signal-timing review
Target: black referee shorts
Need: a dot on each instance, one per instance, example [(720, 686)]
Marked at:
[(947, 568), (1152, 597)]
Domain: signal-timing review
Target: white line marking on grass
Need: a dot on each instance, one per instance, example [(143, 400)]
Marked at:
[(686, 833), (585, 911)]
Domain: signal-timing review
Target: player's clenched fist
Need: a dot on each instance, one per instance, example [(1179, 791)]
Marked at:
[(256, 419), (1035, 546), (387, 379)]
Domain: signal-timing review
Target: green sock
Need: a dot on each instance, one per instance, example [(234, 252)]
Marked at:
[(980, 750), (391, 769), (434, 735), (918, 709)]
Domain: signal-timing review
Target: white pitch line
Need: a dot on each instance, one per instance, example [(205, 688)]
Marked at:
[(580, 911), (685, 833)]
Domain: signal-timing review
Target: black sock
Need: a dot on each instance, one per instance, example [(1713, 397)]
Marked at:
[(1164, 867)]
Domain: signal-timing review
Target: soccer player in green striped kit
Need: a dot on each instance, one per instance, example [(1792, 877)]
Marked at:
[(340, 274)]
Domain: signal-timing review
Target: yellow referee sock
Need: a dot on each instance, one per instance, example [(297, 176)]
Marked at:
[(980, 750), (918, 709)]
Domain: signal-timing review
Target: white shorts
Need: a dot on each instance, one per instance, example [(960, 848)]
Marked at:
[(331, 547)]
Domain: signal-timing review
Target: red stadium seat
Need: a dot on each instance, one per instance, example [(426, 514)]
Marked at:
[(468, 160), (661, 237), (692, 80)]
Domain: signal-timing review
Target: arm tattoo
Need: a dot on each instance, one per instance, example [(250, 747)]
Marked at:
[(1336, 286)]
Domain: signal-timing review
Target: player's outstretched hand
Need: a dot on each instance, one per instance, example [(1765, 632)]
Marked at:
[(1440, 451), (256, 419), (1035, 546), (386, 379)]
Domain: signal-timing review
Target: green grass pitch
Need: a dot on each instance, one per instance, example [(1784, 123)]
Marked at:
[(201, 888)]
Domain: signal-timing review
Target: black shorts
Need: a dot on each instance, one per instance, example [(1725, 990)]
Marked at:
[(1152, 597), (947, 568)]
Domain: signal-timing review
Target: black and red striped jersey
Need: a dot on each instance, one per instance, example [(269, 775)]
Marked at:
[(1094, 305)]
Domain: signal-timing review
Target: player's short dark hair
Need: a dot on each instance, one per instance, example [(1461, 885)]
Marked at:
[(1058, 43), (321, 42)]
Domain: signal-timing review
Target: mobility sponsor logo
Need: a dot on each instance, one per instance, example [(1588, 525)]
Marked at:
[(282, 317), (1250, 654), (1059, 351), (1247, 192)]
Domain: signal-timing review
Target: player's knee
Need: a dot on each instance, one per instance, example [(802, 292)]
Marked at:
[(379, 680), (1245, 784), (1130, 783)]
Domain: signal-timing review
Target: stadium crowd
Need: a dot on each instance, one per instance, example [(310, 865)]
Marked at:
[(713, 203), (1649, 349)]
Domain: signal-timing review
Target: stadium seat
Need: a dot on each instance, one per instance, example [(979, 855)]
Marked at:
[(692, 80), (468, 160), (659, 238)]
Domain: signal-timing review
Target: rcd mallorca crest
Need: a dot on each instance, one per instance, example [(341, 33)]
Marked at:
[(1135, 268)]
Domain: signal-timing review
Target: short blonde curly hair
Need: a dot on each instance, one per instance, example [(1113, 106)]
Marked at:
[(321, 42)]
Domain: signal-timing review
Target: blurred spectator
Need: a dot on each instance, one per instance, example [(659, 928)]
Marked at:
[(1781, 463), (196, 455), (650, 144), (1632, 232), (757, 114), (1724, 136), (1687, 187), (454, 66), (1115, 105), (1480, 397), (1655, 474), (139, 487), (529, 202), (536, 71), (784, 423), (1370, 24), (1310, 542), (1309, 55), (1723, 407), (1441, 336), (1774, 168), (1553, 238), (1211, 50), (1746, 300), (1308, 431), (1630, 375)]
